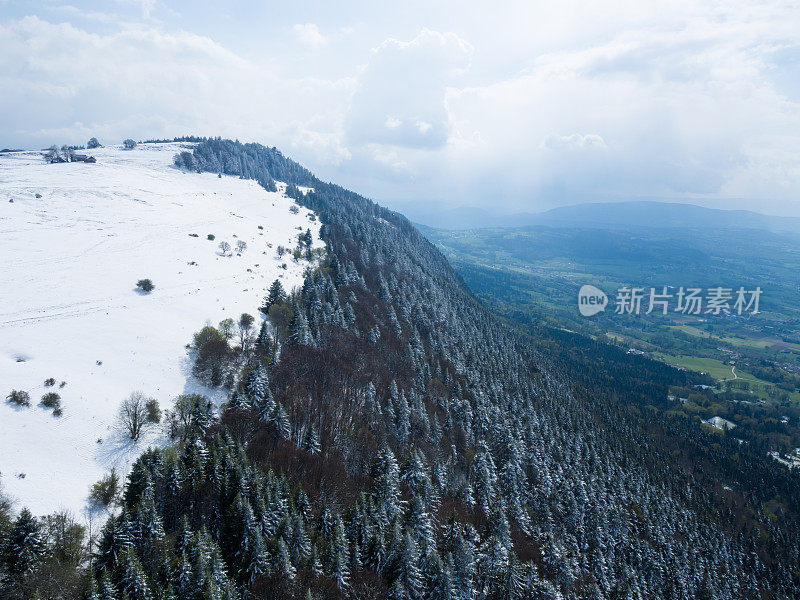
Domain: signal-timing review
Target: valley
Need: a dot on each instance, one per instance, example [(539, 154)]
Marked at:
[(532, 276)]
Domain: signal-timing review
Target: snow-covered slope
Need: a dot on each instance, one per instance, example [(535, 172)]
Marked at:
[(69, 308)]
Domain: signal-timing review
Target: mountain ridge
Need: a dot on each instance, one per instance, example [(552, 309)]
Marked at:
[(623, 214)]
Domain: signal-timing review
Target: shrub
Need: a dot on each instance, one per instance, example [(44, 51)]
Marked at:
[(129, 144), (145, 285), (153, 411), (49, 382), (106, 491), (207, 334), (211, 237), (51, 400), (19, 398), (281, 316), (213, 353)]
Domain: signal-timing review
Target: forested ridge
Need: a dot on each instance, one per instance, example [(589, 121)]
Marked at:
[(388, 437)]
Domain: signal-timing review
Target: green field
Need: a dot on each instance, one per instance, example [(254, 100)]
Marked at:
[(716, 368)]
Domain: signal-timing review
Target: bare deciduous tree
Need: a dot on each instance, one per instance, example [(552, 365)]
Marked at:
[(133, 415), (225, 247), (245, 325), (241, 245)]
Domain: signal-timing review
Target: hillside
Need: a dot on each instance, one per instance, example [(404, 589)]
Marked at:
[(387, 436), (77, 237)]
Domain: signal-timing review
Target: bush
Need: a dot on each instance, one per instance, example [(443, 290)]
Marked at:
[(51, 400), (129, 144), (49, 382), (213, 353), (207, 334), (145, 285), (19, 398), (211, 237), (281, 315), (153, 411), (106, 491)]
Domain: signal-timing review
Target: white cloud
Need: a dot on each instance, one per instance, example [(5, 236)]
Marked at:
[(400, 100), (62, 84), (685, 112), (575, 141), (309, 34), (74, 11), (522, 105), (146, 6)]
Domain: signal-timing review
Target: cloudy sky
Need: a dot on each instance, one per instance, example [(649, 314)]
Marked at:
[(523, 106)]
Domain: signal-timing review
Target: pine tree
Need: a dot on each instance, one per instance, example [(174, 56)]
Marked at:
[(185, 576), (91, 589), (107, 589), (254, 558), (438, 580), (405, 566), (301, 333), (463, 568), (24, 546), (484, 478), (387, 484), (311, 442), (281, 420), (275, 295), (420, 525), (133, 580)]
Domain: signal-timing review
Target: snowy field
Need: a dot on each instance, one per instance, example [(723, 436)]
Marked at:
[(69, 308)]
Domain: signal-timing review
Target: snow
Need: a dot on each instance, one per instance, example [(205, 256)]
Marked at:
[(792, 460), (69, 308), (720, 423)]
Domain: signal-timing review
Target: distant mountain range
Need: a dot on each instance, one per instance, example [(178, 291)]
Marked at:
[(608, 215)]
